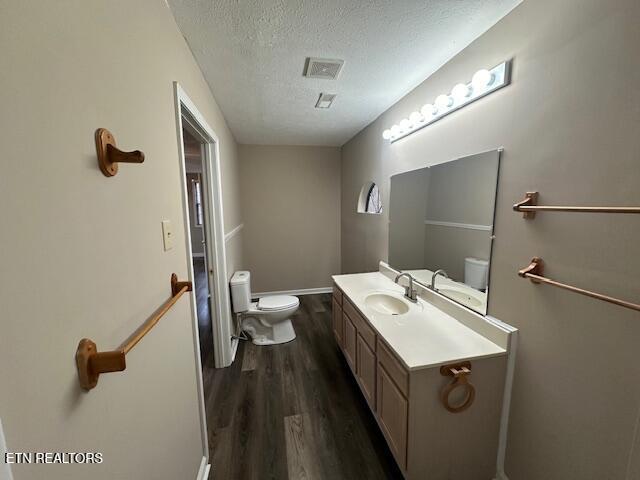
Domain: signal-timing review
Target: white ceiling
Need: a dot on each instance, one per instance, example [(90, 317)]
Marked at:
[(252, 53)]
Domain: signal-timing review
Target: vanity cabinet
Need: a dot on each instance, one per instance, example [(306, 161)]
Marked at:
[(337, 321), (366, 370), (393, 416), (349, 341), (338, 327), (427, 441)]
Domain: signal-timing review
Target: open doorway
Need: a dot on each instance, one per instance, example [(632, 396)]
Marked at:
[(200, 176), (193, 156)]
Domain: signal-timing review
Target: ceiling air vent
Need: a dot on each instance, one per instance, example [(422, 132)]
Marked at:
[(325, 100), (323, 68)]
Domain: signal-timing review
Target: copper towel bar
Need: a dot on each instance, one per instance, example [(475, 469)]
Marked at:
[(528, 206), (92, 363), (535, 273)]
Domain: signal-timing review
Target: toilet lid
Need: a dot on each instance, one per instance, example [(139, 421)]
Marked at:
[(277, 302)]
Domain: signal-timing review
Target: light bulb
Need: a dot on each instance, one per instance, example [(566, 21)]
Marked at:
[(482, 79), (405, 125), (460, 92), (443, 101), (386, 134), (428, 110), (395, 130), (415, 118)]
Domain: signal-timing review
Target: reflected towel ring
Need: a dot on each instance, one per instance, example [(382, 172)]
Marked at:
[(460, 374)]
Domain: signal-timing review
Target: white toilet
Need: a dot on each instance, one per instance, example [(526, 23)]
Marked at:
[(267, 320), (475, 273)]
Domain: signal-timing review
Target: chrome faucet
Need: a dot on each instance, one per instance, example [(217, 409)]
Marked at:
[(409, 292), (433, 278)]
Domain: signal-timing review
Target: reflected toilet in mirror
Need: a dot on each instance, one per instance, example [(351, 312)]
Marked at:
[(441, 226)]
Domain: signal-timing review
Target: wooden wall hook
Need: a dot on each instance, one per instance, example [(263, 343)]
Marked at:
[(109, 155)]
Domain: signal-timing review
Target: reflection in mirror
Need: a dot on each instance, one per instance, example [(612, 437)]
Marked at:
[(441, 221)]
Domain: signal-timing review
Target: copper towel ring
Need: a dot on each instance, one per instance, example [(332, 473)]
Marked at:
[(460, 373)]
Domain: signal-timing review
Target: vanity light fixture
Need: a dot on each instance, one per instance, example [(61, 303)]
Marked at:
[(482, 83)]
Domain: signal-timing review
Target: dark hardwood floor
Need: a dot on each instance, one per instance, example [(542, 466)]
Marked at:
[(292, 411)]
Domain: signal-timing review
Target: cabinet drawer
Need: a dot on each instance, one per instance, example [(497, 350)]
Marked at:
[(396, 371), (349, 341), (337, 294), (393, 413), (337, 321), (363, 327), (366, 370)]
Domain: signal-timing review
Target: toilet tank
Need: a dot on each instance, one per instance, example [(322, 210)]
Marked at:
[(476, 272), (241, 291)]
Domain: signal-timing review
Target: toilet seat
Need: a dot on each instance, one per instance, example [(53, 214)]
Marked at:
[(277, 302)]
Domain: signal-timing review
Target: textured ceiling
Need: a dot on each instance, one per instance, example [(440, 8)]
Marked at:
[(252, 53)]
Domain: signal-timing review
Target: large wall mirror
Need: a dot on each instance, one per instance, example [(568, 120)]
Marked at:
[(441, 220)]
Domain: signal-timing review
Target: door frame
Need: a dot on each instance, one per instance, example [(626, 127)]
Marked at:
[(215, 251)]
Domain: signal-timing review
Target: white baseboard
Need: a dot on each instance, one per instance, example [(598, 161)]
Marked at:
[(203, 471), (304, 291)]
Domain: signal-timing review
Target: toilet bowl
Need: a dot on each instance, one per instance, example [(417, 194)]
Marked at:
[(267, 321)]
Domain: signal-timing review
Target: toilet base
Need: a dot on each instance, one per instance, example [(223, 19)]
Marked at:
[(262, 334)]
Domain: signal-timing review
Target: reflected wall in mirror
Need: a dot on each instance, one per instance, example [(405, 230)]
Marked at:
[(441, 218)]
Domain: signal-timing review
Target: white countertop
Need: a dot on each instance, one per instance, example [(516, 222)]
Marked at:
[(425, 336)]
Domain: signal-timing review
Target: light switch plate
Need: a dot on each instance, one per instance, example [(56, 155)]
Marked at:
[(167, 235)]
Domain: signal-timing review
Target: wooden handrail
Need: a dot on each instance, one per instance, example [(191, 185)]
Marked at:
[(535, 273), (92, 363), (528, 206)]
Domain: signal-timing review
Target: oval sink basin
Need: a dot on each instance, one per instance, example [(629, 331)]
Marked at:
[(386, 304), (461, 297)]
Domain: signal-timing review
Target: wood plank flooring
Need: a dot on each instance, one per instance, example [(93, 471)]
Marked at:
[(292, 411)]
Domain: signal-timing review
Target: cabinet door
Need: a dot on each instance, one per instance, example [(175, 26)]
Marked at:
[(366, 370), (337, 322), (349, 341), (393, 412)]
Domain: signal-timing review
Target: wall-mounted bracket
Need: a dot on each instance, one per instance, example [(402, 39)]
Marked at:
[(92, 363), (460, 373), (536, 267), (109, 155), (176, 286), (530, 200)]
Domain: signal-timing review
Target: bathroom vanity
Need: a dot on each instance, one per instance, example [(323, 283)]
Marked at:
[(404, 356)]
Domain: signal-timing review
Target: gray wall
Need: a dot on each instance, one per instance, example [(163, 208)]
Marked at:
[(291, 209), (407, 212), (82, 253), (569, 124)]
